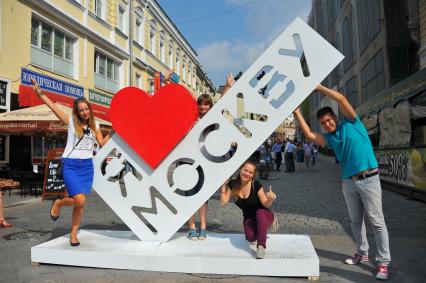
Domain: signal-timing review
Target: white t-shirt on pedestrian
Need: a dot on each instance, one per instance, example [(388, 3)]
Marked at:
[(84, 149)]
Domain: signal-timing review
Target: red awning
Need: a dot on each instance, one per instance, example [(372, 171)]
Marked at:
[(38, 118), (31, 126), (28, 97)]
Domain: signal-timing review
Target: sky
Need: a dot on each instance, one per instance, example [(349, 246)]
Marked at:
[(228, 35)]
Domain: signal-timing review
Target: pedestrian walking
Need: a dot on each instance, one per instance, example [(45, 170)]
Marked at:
[(3, 221), (314, 154), (289, 157), (300, 154), (78, 170), (276, 149), (250, 197), (307, 150), (361, 183)]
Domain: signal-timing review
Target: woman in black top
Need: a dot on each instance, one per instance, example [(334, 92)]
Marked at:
[(249, 195)]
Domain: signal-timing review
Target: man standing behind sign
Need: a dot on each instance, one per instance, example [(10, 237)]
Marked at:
[(77, 157), (361, 183)]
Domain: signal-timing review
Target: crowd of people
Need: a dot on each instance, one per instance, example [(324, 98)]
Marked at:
[(286, 152)]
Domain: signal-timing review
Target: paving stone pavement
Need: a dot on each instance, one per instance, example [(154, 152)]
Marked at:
[(308, 202)]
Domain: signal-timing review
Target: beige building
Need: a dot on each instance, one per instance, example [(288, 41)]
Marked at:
[(384, 78), (88, 48)]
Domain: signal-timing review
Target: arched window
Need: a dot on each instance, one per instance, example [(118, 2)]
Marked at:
[(140, 26), (171, 55), (184, 70), (163, 47), (178, 61), (152, 36)]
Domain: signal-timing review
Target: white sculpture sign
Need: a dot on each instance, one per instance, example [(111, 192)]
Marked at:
[(156, 203)]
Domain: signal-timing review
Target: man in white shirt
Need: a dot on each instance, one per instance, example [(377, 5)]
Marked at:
[(288, 156)]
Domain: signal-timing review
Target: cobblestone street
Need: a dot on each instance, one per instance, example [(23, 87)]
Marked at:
[(308, 202)]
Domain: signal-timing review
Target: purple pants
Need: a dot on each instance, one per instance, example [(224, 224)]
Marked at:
[(256, 228)]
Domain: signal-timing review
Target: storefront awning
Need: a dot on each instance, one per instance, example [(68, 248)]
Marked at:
[(38, 118), (28, 97)]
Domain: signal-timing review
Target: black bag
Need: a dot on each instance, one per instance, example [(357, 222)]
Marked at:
[(59, 171)]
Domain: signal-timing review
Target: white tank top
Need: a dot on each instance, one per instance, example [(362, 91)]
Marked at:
[(84, 149)]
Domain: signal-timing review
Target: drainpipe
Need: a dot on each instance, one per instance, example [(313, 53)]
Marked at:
[(130, 42)]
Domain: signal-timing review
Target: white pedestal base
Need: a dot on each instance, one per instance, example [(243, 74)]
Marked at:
[(286, 255)]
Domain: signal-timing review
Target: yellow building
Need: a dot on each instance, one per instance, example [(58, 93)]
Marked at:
[(87, 47)]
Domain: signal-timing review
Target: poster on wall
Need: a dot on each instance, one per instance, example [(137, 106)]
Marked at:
[(4, 148), (403, 166), (4, 94)]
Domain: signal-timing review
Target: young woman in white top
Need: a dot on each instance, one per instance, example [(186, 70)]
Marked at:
[(77, 157)]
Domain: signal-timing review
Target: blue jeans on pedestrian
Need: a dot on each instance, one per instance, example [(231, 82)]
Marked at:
[(364, 197)]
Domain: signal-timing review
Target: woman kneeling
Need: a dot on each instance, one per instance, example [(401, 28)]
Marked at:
[(249, 195)]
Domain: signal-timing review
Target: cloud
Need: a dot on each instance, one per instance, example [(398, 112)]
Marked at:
[(264, 21), (220, 58), (267, 18)]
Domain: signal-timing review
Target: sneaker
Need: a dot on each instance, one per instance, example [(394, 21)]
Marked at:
[(382, 272), (253, 243), (275, 225), (192, 234), (357, 258), (202, 235), (260, 252)]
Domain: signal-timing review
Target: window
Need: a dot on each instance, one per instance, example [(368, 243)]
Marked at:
[(362, 25), (332, 10), (373, 8), (139, 26), (120, 20), (162, 48), (372, 77), (184, 71), (171, 56), (99, 8), (351, 91), (138, 81), (151, 85), (51, 48), (139, 31), (347, 44), (177, 61), (152, 39), (368, 21), (106, 72)]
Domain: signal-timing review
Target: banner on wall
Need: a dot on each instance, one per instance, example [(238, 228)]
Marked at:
[(403, 166)]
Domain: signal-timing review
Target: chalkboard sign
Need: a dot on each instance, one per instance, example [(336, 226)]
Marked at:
[(52, 184)]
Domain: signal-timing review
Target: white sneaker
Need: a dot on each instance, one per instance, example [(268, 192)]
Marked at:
[(260, 252)]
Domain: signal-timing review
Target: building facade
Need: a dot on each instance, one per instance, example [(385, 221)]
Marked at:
[(88, 48), (383, 77)]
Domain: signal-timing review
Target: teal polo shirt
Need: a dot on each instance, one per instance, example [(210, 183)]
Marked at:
[(352, 146)]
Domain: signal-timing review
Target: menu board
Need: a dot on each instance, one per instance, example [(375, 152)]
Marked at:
[(53, 185)]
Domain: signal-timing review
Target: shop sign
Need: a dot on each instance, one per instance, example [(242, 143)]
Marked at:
[(4, 94), (403, 166), (175, 78), (99, 98), (52, 85)]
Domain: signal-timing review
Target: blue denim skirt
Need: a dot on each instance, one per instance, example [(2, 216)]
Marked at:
[(78, 175)]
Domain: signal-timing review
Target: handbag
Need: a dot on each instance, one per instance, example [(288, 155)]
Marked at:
[(59, 171)]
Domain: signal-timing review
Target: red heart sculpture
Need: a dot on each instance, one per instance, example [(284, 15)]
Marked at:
[(153, 125)]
